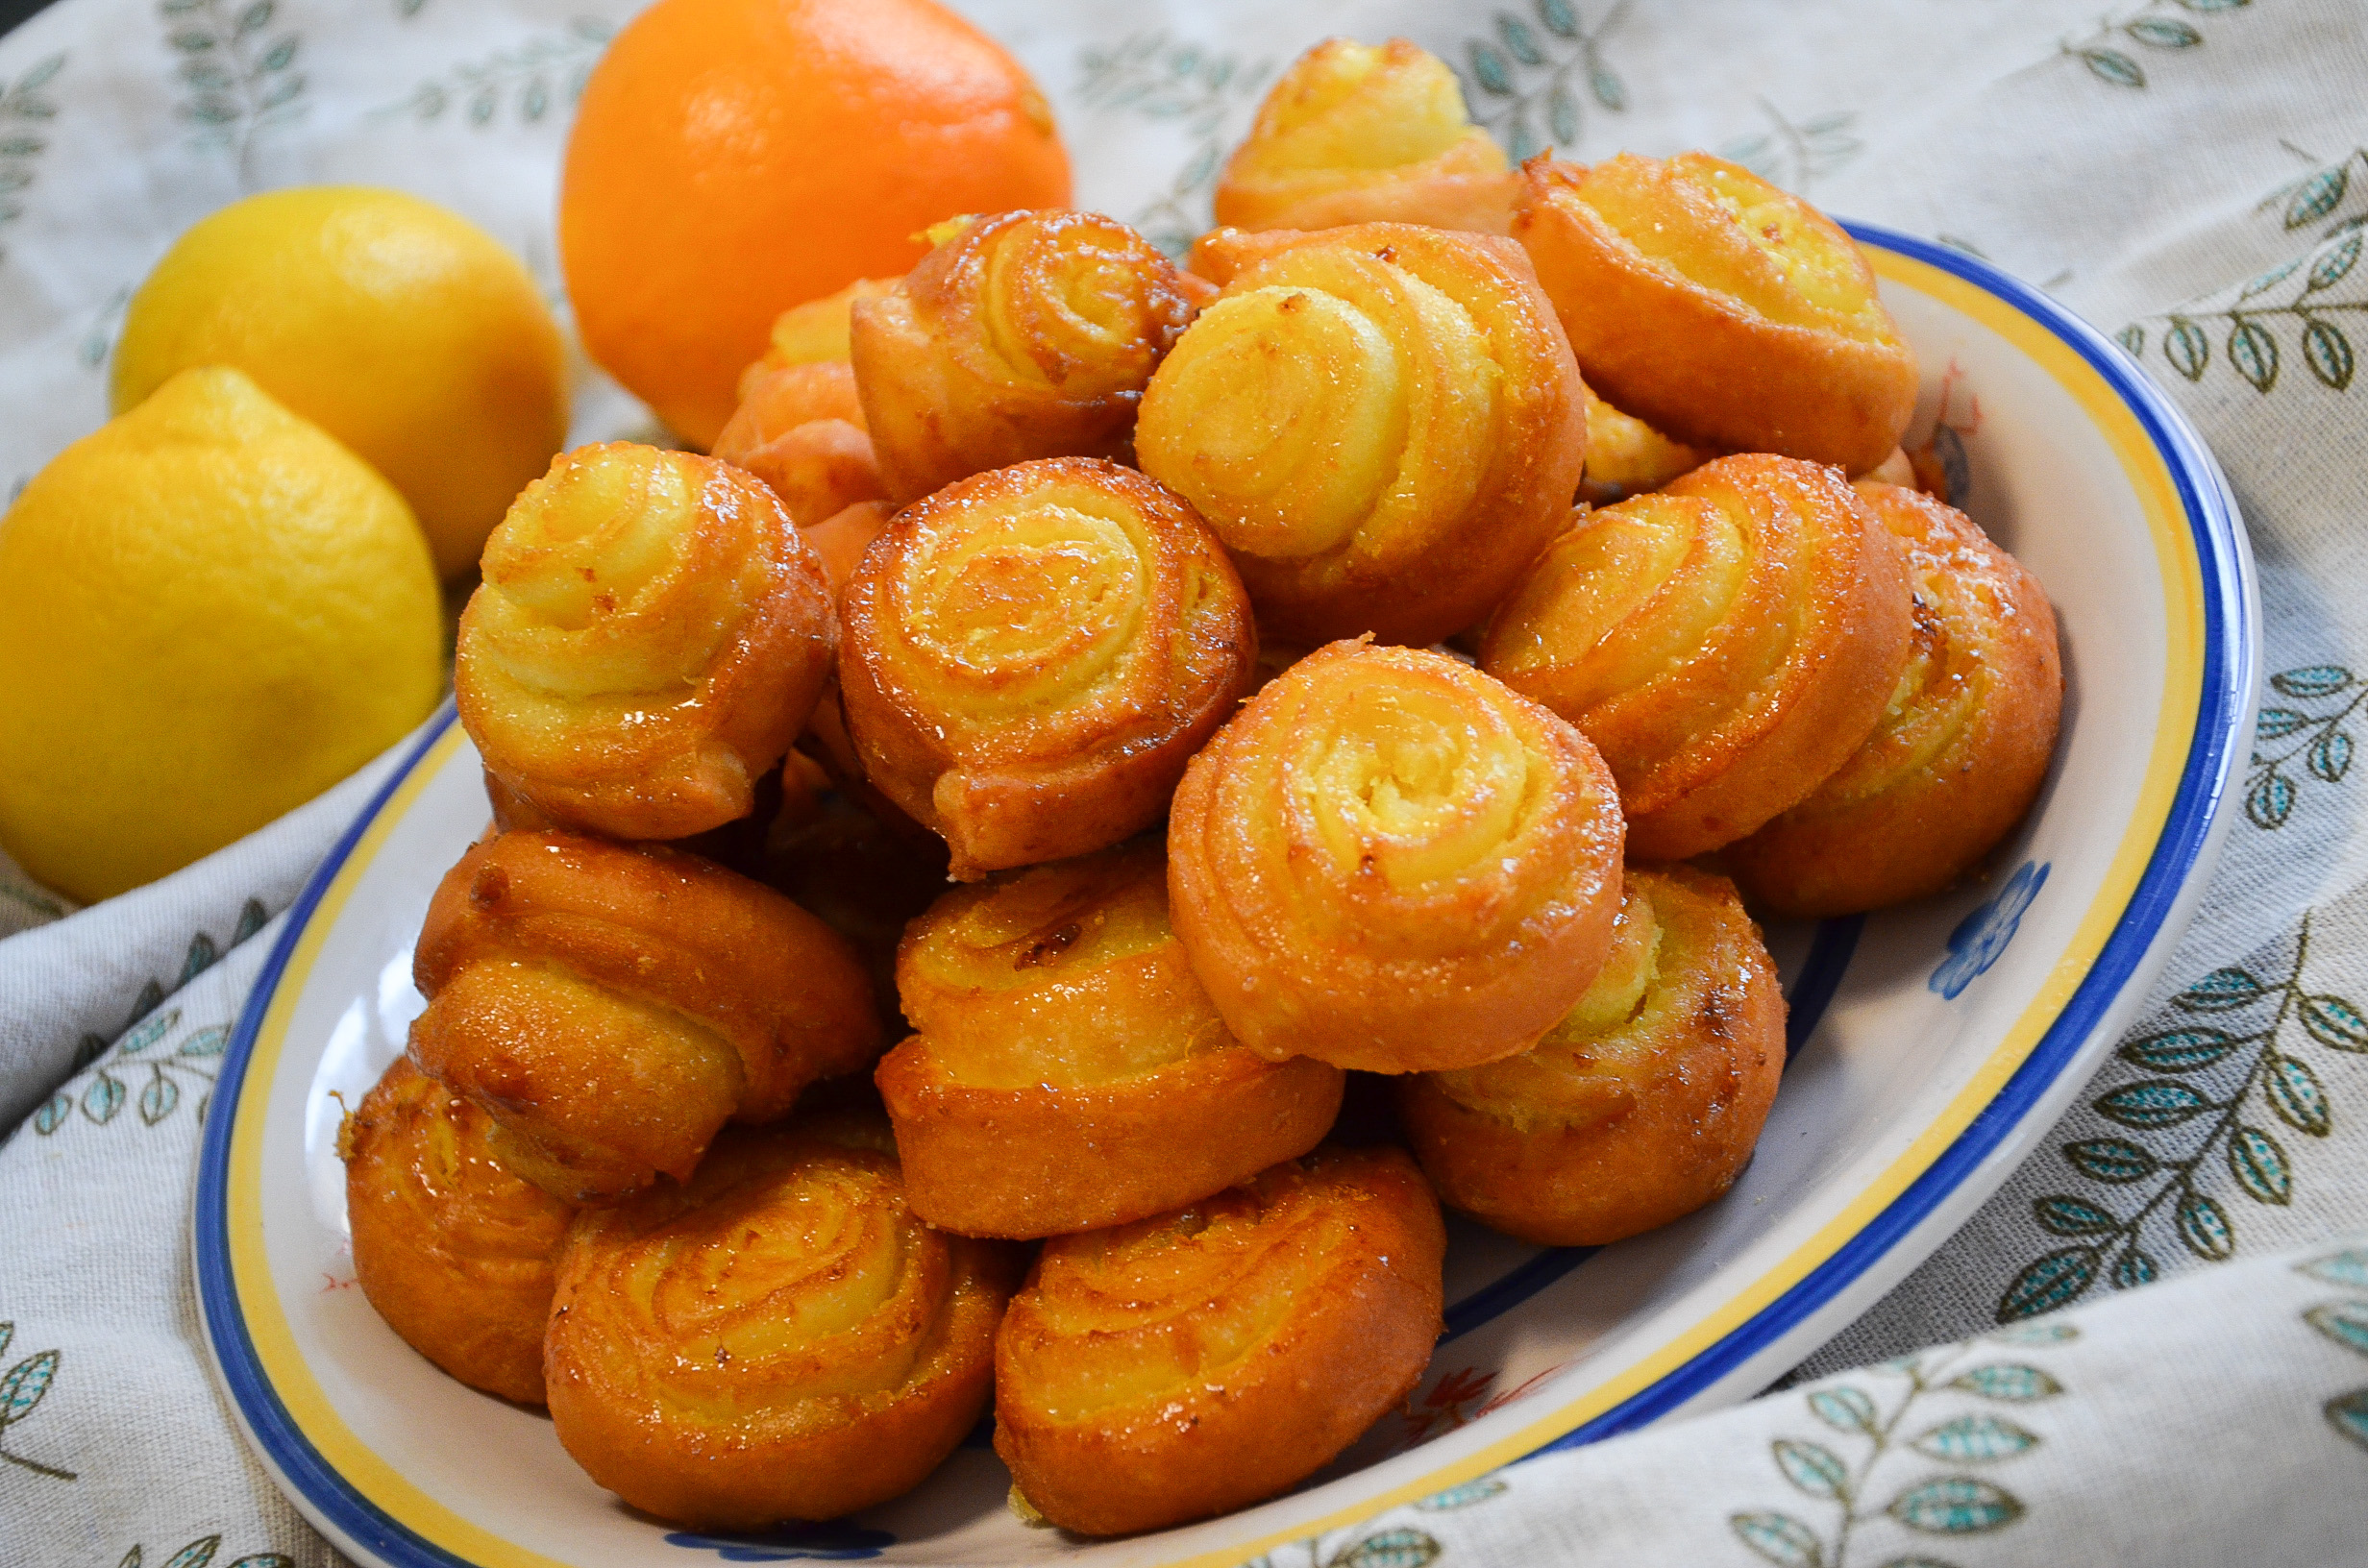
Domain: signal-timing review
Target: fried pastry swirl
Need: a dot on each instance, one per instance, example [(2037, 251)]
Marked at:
[(1959, 754), (1389, 861), (1727, 642), (452, 1248), (1031, 654), (611, 1008), (1026, 335), (1718, 307), (1353, 134), (1625, 456), (1203, 1359), (1069, 1073), (650, 636), (1642, 1104), (1381, 421), (800, 426), (777, 1339)]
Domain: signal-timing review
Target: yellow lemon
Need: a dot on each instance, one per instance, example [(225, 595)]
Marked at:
[(209, 612), (398, 327)]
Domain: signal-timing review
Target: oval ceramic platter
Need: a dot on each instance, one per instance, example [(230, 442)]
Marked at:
[(1933, 1046)]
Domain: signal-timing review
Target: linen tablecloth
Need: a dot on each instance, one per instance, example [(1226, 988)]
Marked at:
[(2150, 1346)]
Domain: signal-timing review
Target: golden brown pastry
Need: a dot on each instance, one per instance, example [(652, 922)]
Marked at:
[(1069, 1073), (1625, 456), (1727, 642), (1025, 334), (777, 1339), (651, 634), (1031, 654), (1389, 860), (1718, 307), (863, 876), (1382, 422), (817, 332), (1640, 1105), (1961, 750), (612, 1007), (1353, 134), (799, 429), (452, 1248), (1204, 1359), (841, 539)]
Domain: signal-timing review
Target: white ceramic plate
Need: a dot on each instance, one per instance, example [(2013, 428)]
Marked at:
[(1934, 1043)]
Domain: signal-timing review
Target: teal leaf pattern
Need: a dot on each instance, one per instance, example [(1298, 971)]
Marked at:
[(1779, 1538), (1209, 93), (1795, 154), (22, 1389), (2348, 1414), (236, 75), (2152, 26), (2292, 303), (1975, 1439), (530, 79), (1524, 85), (1954, 1506), (25, 111), (2345, 1322), (1464, 1496), (1388, 1549), (2208, 1118), (2347, 1267), (2325, 697), (1873, 1426)]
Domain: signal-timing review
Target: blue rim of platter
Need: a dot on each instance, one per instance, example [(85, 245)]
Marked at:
[(2230, 656)]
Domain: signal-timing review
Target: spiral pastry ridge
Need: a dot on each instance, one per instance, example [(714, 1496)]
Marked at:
[(1962, 748), (777, 1339), (1031, 654), (1203, 1359), (1642, 1104), (452, 1248), (1718, 307), (1382, 422), (650, 635), (1353, 134), (1025, 334), (1069, 1073), (611, 1008), (1389, 861), (1727, 642)]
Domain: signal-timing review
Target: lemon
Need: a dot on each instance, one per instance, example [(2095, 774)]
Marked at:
[(209, 612), (398, 327)]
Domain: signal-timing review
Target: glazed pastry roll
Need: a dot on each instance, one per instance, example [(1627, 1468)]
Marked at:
[(1959, 754), (817, 332), (1718, 307), (1027, 334), (1625, 456), (1382, 422), (799, 429), (1727, 642), (1201, 1361), (611, 1008), (1353, 134), (1389, 860), (1031, 655), (863, 876), (1069, 1073), (651, 636), (452, 1248), (777, 1339), (841, 539), (1642, 1104)]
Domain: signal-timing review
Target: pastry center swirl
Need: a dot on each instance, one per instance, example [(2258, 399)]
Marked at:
[(1414, 785)]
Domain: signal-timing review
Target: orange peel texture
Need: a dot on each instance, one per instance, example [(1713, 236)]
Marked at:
[(1355, 134), (452, 1248), (1031, 654), (1382, 422), (777, 1339), (1717, 308), (651, 634), (611, 1008), (1389, 860), (1640, 1106), (1026, 335), (1069, 1073), (1727, 642), (1201, 1361), (1961, 750)]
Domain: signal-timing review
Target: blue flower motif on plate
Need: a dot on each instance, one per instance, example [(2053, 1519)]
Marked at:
[(835, 1540), (1982, 937)]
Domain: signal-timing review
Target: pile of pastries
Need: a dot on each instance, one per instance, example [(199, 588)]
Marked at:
[(1410, 639)]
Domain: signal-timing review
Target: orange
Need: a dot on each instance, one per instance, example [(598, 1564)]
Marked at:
[(735, 157)]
